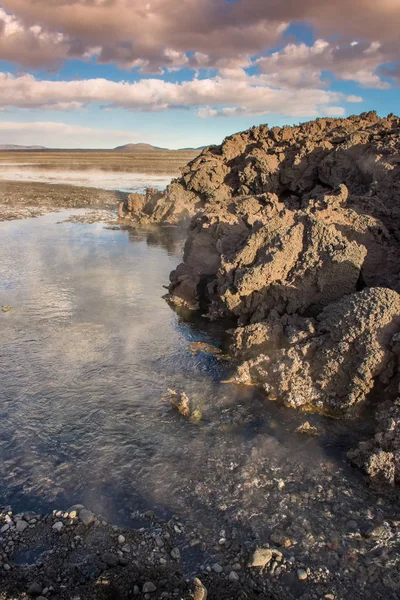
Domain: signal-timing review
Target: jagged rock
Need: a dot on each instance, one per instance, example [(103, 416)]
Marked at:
[(307, 429), (178, 400), (380, 457), (329, 363), (295, 235)]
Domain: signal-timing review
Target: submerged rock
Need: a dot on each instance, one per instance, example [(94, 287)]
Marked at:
[(178, 400), (307, 429)]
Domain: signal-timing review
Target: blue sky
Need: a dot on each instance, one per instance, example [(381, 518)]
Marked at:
[(101, 74)]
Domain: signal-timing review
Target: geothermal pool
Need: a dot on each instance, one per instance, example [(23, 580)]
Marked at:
[(87, 352)]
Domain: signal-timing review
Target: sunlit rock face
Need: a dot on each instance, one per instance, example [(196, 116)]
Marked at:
[(296, 230)]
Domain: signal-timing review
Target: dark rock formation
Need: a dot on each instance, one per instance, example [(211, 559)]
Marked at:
[(295, 235)]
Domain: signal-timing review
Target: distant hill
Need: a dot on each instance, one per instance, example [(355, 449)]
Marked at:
[(137, 147), (148, 147), (17, 147)]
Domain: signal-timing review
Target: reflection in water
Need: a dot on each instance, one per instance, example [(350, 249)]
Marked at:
[(96, 178), (87, 352)]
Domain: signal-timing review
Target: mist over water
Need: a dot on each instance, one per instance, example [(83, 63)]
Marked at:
[(87, 353), (96, 178)]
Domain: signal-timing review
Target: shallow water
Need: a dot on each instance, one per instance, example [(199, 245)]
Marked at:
[(95, 178), (86, 354)]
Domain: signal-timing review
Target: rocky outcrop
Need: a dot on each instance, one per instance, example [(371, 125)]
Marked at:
[(295, 236), (380, 457), (327, 364)]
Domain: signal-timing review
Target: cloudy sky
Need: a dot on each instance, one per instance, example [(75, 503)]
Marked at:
[(177, 73)]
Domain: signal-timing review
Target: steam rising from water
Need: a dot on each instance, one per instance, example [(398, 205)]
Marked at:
[(86, 354), (97, 178)]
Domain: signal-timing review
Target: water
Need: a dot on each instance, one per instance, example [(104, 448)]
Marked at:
[(96, 178), (87, 353)]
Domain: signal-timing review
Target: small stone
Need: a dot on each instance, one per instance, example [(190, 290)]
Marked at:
[(175, 553), (233, 576), (7, 567), (163, 561), (329, 596), (35, 589), (126, 549), (149, 587), (261, 557), (217, 568), (58, 525), (121, 539), (22, 525), (86, 517), (111, 560), (136, 590), (199, 590), (45, 591), (302, 574), (5, 528), (307, 429), (159, 541)]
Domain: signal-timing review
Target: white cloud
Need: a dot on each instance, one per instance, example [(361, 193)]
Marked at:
[(169, 34), (299, 65), (217, 95)]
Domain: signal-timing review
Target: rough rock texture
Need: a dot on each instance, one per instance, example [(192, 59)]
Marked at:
[(295, 236), (380, 457), (329, 363)]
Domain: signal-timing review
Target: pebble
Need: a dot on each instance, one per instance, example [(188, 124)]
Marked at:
[(159, 541), (58, 525), (7, 567), (175, 553), (111, 560), (217, 568), (261, 557), (86, 517), (149, 587), (233, 576), (5, 528), (199, 590), (121, 539), (302, 574), (21, 526), (35, 589)]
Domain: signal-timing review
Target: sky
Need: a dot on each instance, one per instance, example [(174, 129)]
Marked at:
[(186, 73)]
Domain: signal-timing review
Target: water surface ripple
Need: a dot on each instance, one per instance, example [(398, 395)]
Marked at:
[(86, 354)]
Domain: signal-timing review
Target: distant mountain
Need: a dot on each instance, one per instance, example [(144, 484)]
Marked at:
[(148, 147), (137, 147), (17, 147)]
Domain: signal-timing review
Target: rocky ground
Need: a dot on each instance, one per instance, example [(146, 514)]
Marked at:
[(21, 200), (75, 554)]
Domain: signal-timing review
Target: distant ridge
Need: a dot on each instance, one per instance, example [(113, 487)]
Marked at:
[(148, 147), (17, 147)]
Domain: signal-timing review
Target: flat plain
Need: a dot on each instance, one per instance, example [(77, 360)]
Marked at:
[(141, 161)]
